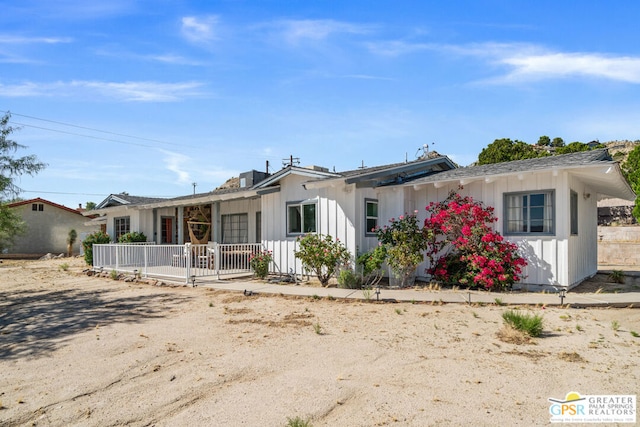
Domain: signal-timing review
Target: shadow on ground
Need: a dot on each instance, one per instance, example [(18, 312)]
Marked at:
[(603, 283), (33, 324)]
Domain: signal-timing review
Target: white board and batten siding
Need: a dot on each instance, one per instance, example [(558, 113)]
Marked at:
[(560, 259), (340, 213)]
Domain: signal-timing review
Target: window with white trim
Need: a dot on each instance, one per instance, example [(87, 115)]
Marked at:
[(573, 202), (370, 216), (301, 217), (235, 228), (121, 225), (37, 207), (529, 213)]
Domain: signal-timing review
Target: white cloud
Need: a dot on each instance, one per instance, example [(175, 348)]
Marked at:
[(200, 29), (563, 65), (178, 163), (122, 91), (396, 47), (527, 62), (9, 39), (296, 31)]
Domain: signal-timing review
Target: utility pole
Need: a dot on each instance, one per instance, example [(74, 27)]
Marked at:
[(195, 184)]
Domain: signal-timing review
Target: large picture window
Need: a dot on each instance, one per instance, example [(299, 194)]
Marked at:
[(235, 228), (530, 213), (371, 216), (301, 217), (121, 225)]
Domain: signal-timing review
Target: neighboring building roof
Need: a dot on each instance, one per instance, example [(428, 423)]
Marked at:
[(125, 199), (46, 202), (392, 174), (607, 183)]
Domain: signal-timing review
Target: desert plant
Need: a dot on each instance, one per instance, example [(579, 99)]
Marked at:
[(260, 263), (96, 238), (71, 239), (317, 328), (322, 255), (132, 237), (615, 325), (298, 422), (113, 275), (617, 276), (634, 334), (527, 323), (64, 266)]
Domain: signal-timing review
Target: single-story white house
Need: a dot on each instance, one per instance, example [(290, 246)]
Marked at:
[(546, 205)]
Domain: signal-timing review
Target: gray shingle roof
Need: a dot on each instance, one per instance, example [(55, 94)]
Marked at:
[(582, 158)]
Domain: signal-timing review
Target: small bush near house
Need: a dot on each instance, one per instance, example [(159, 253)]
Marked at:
[(97, 238), (260, 263), (132, 237), (527, 323), (370, 264), (322, 255), (617, 276), (349, 279)]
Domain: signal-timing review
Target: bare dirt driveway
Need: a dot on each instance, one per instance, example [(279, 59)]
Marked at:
[(88, 351)]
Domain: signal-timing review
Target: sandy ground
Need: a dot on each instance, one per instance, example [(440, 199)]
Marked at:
[(78, 350)]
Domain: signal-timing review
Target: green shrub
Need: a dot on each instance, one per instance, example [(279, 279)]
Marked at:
[(260, 263), (97, 238), (132, 237), (349, 279), (322, 255), (527, 323), (370, 263)]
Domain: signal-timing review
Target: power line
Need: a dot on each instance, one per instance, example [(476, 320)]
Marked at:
[(83, 194), (62, 192), (84, 136), (93, 130)]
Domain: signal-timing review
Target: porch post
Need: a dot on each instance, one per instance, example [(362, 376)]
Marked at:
[(188, 254)]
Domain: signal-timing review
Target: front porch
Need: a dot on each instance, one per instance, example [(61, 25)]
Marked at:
[(184, 263)]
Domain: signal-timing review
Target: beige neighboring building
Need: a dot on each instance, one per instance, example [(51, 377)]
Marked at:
[(48, 226)]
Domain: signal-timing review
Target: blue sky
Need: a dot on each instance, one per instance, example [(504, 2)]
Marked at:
[(160, 94)]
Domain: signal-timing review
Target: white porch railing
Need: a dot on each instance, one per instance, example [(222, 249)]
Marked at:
[(186, 262)]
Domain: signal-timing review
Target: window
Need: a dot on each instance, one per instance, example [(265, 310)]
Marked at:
[(235, 228), (371, 215), (121, 226), (301, 217), (37, 207), (258, 227), (574, 212), (530, 213)]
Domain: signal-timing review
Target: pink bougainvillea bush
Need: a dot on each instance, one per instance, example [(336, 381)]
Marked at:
[(464, 249)]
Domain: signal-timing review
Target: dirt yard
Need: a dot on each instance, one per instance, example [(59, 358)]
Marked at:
[(79, 350)]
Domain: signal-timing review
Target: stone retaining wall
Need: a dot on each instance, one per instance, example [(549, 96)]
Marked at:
[(619, 246)]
